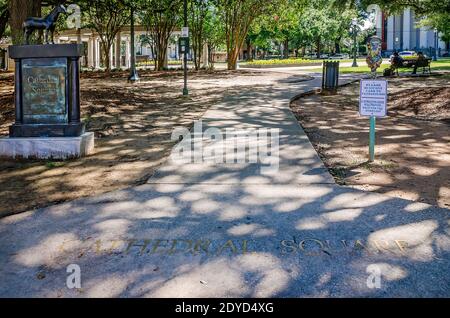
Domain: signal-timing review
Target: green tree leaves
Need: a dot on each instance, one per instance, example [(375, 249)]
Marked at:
[(160, 17)]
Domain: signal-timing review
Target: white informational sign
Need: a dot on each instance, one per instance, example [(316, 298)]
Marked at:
[(185, 32), (373, 98)]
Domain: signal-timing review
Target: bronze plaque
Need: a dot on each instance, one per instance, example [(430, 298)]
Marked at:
[(44, 91)]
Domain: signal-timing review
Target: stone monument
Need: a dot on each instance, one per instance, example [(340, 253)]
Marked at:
[(47, 103)]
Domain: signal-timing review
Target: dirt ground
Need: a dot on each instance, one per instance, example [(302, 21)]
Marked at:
[(412, 144), (132, 124)]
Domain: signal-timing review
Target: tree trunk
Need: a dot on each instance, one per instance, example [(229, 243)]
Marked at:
[(161, 55), (118, 46), (337, 46), (19, 11), (3, 21), (318, 47), (232, 59), (236, 35), (197, 49), (194, 49), (249, 51), (233, 54), (286, 48), (106, 56), (211, 52), (154, 55)]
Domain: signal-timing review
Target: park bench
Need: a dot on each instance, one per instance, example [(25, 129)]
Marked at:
[(424, 64)]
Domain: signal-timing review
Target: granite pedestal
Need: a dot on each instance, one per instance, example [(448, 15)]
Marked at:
[(47, 104), (59, 148)]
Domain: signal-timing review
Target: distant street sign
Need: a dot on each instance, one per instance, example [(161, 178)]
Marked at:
[(373, 98), (184, 32), (183, 44)]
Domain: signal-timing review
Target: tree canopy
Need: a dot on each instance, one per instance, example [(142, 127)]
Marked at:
[(421, 7)]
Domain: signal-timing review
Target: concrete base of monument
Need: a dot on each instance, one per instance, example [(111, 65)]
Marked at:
[(59, 148), (44, 130)]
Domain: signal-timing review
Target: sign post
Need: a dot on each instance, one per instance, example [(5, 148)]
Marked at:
[(185, 35), (372, 139), (373, 104)]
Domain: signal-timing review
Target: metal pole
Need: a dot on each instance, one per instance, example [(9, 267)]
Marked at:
[(372, 139), (355, 64), (185, 88), (134, 77), (435, 44)]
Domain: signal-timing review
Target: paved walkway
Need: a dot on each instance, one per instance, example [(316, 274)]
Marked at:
[(236, 229)]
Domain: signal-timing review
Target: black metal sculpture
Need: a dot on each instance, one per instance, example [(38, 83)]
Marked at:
[(47, 24)]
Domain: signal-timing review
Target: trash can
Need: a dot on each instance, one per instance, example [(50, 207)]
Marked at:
[(330, 78)]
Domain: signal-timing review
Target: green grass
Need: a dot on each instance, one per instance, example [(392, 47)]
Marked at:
[(440, 65), (362, 68), (52, 164), (280, 62), (349, 60), (293, 60)]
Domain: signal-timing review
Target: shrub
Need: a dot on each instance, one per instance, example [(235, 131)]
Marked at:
[(281, 61)]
